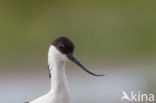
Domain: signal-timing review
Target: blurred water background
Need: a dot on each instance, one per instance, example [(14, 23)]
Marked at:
[(117, 38)]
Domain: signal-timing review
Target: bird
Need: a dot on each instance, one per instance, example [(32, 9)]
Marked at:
[(60, 51)]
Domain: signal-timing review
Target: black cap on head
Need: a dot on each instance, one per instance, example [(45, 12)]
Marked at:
[(65, 46)]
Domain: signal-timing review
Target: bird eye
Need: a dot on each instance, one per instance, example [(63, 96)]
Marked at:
[(61, 46)]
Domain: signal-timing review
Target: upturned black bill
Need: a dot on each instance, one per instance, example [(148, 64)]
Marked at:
[(72, 58)]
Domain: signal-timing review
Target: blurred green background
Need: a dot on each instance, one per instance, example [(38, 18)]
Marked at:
[(106, 33), (95, 26)]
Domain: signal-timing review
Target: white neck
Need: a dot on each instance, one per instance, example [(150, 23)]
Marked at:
[(58, 76), (59, 86), (59, 89)]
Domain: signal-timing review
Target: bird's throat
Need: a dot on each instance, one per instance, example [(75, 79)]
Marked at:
[(58, 77)]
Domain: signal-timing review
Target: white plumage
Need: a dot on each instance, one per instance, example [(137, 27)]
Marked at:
[(59, 92)]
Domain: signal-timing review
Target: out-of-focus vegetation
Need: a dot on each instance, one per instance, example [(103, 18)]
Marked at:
[(105, 27)]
